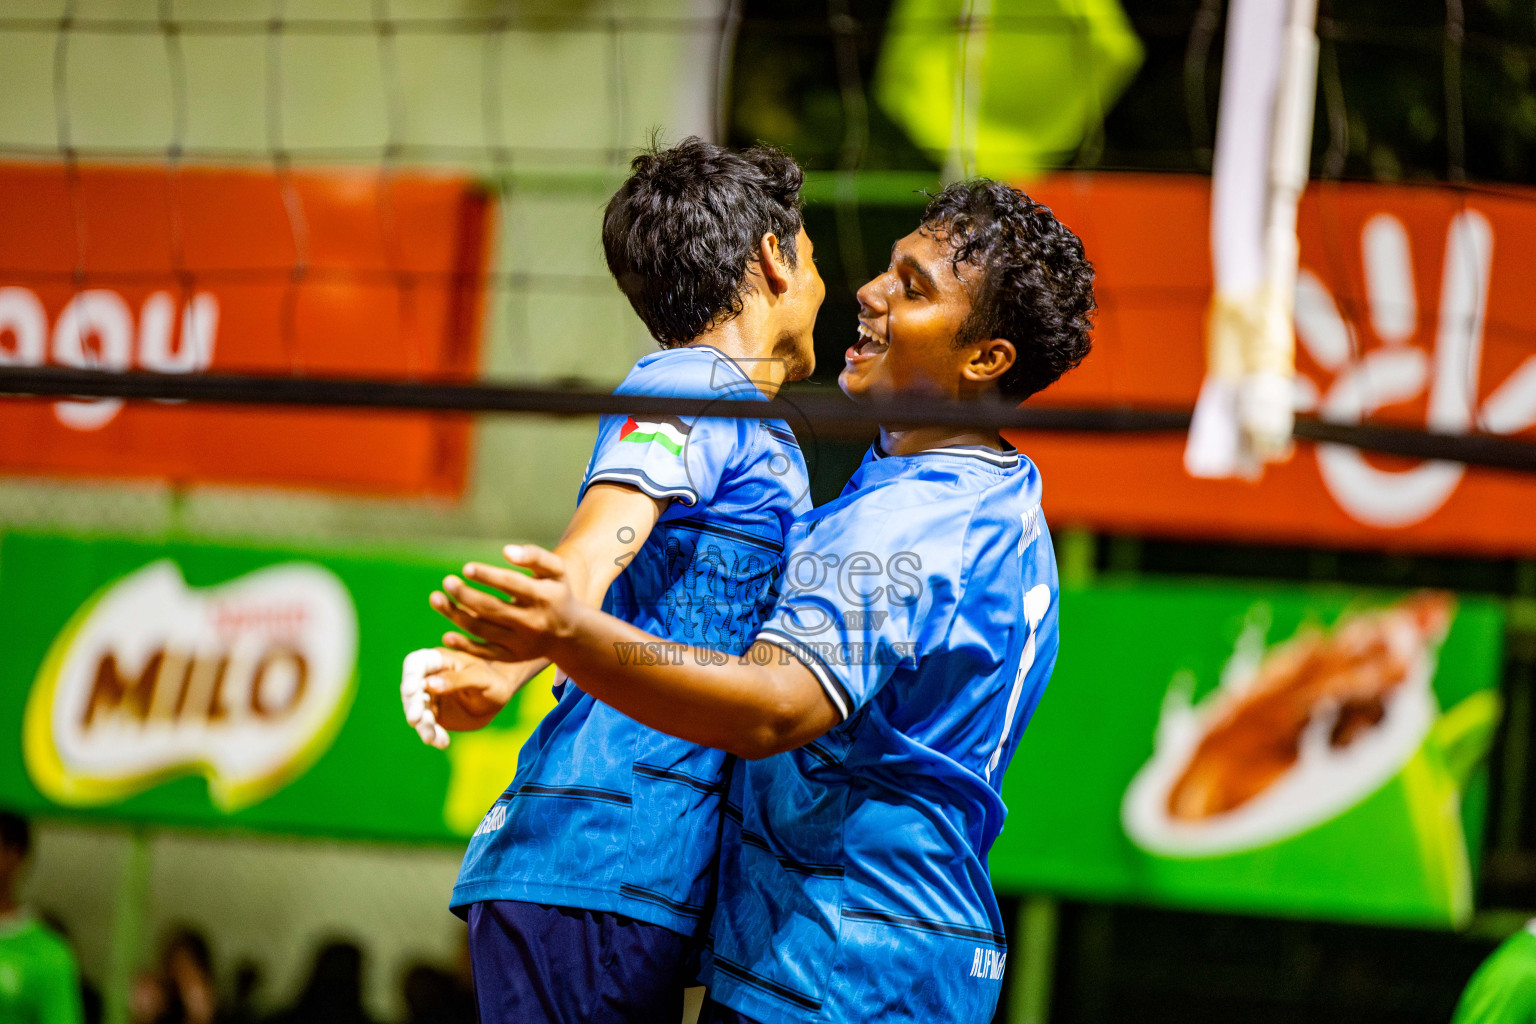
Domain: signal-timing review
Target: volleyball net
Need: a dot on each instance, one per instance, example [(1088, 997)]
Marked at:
[(394, 206)]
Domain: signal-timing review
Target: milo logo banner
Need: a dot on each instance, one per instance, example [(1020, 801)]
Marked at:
[(1270, 752), (1274, 751), (213, 685)]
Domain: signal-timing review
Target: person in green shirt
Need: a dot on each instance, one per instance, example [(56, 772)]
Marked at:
[(39, 982), (1503, 991)]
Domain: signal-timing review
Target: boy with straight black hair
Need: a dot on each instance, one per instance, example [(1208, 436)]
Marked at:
[(590, 877), (914, 633), (41, 982)]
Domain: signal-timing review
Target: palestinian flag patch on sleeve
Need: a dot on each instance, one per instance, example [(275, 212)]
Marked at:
[(668, 431)]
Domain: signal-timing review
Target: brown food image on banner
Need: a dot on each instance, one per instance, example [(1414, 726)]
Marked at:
[(1355, 668)]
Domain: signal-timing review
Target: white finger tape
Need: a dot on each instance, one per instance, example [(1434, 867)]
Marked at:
[(415, 700)]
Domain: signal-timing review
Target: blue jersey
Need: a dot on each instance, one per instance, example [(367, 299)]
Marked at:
[(853, 871), (605, 814)]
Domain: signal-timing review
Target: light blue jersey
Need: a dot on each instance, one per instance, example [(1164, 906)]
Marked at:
[(605, 814), (854, 884)]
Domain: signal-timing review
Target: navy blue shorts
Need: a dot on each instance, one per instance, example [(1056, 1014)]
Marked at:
[(557, 965)]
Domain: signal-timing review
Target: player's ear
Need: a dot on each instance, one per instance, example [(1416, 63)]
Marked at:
[(773, 264), (989, 360)]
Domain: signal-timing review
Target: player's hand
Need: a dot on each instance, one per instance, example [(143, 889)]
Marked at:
[(420, 708), (445, 691), (479, 642), (540, 607)]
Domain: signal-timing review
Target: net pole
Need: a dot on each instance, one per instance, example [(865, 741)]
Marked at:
[(128, 921), (1269, 383), (1036, 928), (1250, 75), (1245, 413)]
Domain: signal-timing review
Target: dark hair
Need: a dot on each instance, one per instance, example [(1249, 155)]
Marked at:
[(681, 232), (1036, 286), (335, 989), (188, 940), (15, 832)]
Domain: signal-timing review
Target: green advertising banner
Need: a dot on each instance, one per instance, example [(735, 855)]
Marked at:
[(1269, 751), (210, 685)]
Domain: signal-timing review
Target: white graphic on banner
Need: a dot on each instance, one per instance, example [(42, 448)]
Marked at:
[(1397, 371), (95, 331)]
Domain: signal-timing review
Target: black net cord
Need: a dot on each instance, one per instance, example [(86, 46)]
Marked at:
[(812, 414)]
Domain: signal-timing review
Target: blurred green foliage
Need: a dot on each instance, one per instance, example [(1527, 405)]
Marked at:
[(1408, 90)]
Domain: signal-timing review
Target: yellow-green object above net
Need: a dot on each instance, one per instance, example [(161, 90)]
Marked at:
[(1004, 88)]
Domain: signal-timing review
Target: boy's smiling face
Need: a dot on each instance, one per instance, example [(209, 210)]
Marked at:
[(909, 317)]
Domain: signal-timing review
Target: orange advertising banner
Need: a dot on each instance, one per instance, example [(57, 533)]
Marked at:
[(323, 272), (1413, 309)]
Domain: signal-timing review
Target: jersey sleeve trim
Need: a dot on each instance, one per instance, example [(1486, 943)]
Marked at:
[(640, 481), (836, 692)]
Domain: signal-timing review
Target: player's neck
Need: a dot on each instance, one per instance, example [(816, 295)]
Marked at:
[(752, 347), (8, 904), (912, 440)]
